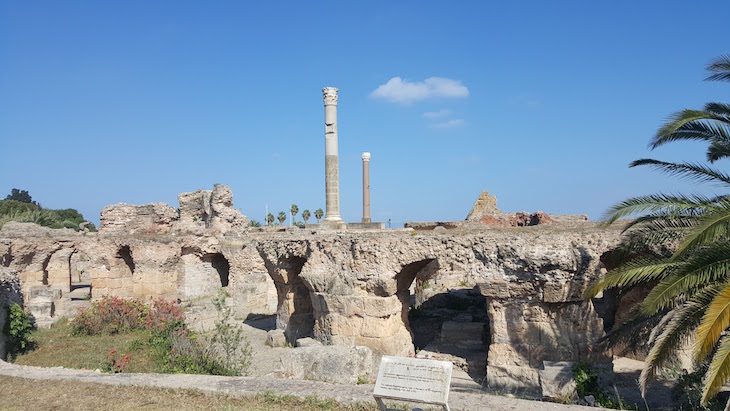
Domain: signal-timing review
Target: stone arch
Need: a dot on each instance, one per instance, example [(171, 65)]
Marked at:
[(220, 264), (125, 254), (447, 319), (202, 274), (294, 311)]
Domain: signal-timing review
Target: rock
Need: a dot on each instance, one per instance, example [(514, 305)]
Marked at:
[(485, 206), (276, 338), (308, 342), (333, 364), (557, 382), (590, 400), (154, 218), (210, 210)]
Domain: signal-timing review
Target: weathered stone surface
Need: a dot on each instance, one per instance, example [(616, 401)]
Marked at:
[(9, 293), (154, 218), (485, 206), (335, 364), (343, 288), (557, 383), (276, 338)]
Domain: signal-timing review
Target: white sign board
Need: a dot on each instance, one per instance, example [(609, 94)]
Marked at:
[(413, 379)]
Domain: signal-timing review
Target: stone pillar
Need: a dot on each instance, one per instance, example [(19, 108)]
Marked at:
[(332, 166), (366, 188)]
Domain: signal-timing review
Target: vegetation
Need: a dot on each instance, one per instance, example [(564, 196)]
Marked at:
[(254, 223), (305, 215), (21, 196), (19, 206), (17, 330), (176, 349), (281, 217), (690, 286), (269, 219), (27, 394), (294, 210), (587, 383), (318, 214)]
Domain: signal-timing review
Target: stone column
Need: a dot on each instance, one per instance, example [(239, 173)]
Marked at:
[(366, 188), (331, 166)]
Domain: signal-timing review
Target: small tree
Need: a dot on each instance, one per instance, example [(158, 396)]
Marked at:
[(305, 215), (281, 217), (20, 195), (270, 219), (254, 223), (318, 213), (294, 210)]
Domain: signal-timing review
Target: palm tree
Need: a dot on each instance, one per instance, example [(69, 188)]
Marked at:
[(318, 213), (294, 210), (305, 215), (690, 288), (269, 219), (281, 217)]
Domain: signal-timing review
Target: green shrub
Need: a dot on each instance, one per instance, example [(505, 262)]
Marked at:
[(586, 380), (687, 392), (17, 329), (228, 340)]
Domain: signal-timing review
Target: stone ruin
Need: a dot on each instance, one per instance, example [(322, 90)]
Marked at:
[(513, 294)]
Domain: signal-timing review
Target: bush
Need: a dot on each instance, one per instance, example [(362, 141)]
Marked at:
[(17, 329), (687, 392), (110, 315), (228, 340)]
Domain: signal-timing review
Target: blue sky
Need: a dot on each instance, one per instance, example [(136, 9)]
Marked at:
[(543, 104)]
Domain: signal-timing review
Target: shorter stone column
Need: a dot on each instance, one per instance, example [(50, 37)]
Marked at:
[(366, 188)]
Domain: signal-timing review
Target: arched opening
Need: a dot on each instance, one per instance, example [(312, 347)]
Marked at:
[(125, 253), (447, 320), (220, 264), (294, 311)]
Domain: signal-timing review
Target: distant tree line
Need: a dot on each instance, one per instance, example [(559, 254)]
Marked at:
[(293, 210), (19, 206)]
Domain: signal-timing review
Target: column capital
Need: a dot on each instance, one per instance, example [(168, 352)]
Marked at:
[(365, 156), (330, 96)]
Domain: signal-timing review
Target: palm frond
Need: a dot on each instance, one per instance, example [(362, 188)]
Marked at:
[(672, 331), (706, 267), (667, 205), (636, 272), (688, 171), (714, 225), (718, 372), (720, 109), (721, 69), (715, 320), (689, 125)]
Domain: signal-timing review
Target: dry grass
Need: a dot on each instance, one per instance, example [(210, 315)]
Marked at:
[(57, 347), (26, 394)]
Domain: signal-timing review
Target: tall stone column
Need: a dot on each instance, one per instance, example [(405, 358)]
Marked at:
[(366, 188), (331, 158)]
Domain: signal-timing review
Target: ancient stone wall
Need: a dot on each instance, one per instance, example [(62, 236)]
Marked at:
[(348, 289)]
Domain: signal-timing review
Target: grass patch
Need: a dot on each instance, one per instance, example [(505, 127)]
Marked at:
[(26, 394), (57, 346)]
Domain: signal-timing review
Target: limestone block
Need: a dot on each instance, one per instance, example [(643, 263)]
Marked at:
[(338, 304), (524, 381), (333, 364), (341, 325), (541, 353), (557, 383), (44, 292), (382, 306), (509, 354), (381, 327), (556, 291), (276, 338), (308, 342)]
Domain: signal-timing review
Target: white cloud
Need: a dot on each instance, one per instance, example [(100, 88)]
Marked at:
[(457, 122), (435, 115), (397, 90)]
